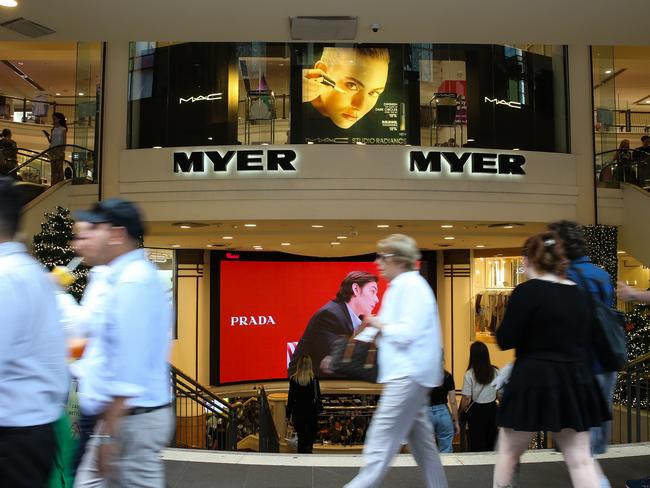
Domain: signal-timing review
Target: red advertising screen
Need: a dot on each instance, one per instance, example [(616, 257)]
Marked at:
[(265, 307)]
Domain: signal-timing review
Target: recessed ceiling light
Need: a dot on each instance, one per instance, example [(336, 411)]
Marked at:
[(8, 3), (81, 94), (250, 225), (317, 226), (449, 238), (209, 138), (480, 245), (185, 226), (470, 140), (157, 147), (447, 226), (341, 237), (227, 237), (515, 149), (257, 247), (310, 142), (285, 243), (507, 226), (620, 252), (176, 245), (58, 94), (383, 226), (609, 71), (647, 101), (208, 245), (335, 243)]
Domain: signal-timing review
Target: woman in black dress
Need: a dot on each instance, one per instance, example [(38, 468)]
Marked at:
[(482, 396), (549, 323), (304, 404)]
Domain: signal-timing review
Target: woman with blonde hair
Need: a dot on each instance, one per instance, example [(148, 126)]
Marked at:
[(304, 404)]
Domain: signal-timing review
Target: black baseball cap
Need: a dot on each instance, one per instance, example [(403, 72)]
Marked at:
[(118, 213)]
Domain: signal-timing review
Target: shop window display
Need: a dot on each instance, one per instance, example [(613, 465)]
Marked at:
[(493, 282), (478, 95)]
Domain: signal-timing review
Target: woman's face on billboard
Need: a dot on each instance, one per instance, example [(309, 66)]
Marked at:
[(360, 80)]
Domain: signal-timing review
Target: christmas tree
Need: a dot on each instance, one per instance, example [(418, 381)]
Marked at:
[(637, 325), (52, 246)]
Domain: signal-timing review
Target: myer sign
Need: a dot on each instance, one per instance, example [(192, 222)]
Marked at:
[(466, 162), (274, 161), (239, 160)]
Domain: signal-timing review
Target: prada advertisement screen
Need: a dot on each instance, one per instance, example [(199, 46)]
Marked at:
[(353, 95), (269, 311)]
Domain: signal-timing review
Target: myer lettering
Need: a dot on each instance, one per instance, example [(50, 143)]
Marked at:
[(480, 162), (243, 320), (244, 160)]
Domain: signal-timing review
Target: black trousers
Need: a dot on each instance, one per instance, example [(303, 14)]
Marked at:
[(306, 432), (26, 456), (482, 427), (86, 427)]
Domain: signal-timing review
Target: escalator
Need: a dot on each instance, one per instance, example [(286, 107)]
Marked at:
[(32, 169), (627, 173)]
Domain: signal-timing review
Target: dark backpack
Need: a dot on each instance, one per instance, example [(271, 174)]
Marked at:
[(608, 338)]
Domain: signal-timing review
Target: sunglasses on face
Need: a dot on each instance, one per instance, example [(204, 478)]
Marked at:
[(383, 256)]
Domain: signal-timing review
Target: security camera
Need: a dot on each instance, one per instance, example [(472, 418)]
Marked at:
[(375, 27)]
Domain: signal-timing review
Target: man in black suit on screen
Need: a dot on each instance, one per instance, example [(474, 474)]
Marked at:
[(357, 296)]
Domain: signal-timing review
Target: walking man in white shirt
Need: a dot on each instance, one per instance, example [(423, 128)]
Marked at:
[(129, 388), (33, 373), (410, 364)]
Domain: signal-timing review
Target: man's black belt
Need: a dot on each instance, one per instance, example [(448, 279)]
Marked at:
[(141, 410)]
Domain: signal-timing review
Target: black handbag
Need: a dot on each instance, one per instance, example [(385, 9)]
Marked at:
[(354, 359), (608, 339)]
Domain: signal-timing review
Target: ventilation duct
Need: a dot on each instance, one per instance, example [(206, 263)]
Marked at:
[(27, 27), (307, 28)]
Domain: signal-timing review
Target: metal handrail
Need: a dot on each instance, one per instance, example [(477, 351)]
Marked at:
[(44, 155), (635, 362), (269, 440)]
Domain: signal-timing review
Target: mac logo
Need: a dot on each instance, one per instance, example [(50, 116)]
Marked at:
[(496, 101), (202, 98)]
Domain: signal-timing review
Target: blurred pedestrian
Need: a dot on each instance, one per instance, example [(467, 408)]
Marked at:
[(33, 373), (479, 399), (9, 151), (410, 364), (125, 381), (595, 280), (444, 420), (549, 323), (629, 294), (304, 404)]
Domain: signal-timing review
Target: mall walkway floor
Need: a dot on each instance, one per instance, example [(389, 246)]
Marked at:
[(541, 469)]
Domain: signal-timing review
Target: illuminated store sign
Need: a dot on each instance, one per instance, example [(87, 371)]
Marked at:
[(496, 101), (245, 160), (480, 162), (202, 98)]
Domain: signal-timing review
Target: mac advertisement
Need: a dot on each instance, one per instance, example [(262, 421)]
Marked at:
[(265, 306), (353, 95)]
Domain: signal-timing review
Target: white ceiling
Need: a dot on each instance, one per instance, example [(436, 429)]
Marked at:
[(355, 237), (497, 21)]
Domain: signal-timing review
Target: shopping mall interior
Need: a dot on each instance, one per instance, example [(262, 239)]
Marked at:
[(490, 122)]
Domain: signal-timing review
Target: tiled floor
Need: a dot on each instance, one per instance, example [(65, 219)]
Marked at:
[(287, 471)]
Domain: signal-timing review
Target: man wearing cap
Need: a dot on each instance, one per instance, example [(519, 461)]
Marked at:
[(33, 377), (127, 382)]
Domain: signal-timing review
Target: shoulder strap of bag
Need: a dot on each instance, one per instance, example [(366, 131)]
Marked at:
[(585, 286)]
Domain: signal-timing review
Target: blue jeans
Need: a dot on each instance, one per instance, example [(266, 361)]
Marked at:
[(443, 427), (600, 435)]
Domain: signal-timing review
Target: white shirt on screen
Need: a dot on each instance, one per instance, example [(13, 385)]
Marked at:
[(410, 342), (132, 340), (356, 321), (34, 381)]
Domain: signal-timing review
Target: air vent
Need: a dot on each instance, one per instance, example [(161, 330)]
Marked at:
[(506, 225), (27, 27), (323, 28)]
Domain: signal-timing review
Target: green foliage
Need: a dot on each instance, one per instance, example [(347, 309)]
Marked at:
[(52, 246)]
